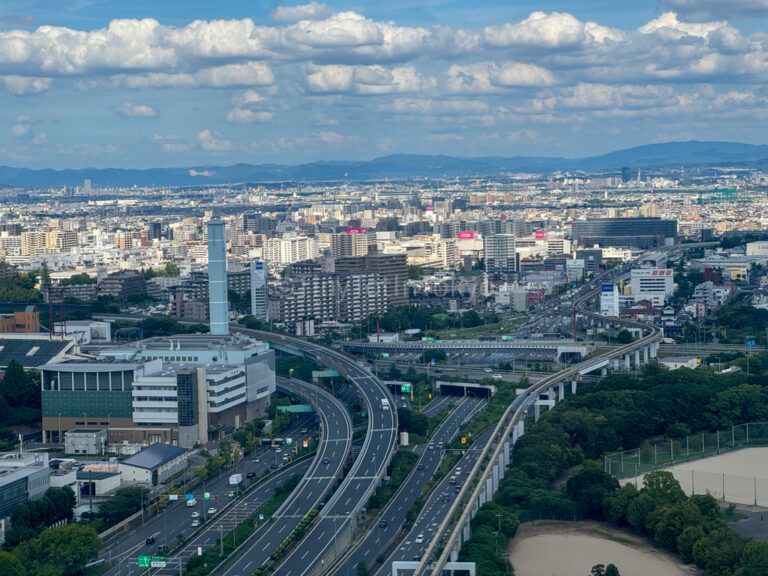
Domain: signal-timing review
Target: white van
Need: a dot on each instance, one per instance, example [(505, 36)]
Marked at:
[(191, 503)]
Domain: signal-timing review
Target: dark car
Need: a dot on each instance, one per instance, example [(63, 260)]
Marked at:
[(251, 474), (325, 460), (150, 541), (382, 523), (420, 467), (162, 548), (273, 466)]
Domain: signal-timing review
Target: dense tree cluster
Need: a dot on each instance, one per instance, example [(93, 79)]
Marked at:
[(61, 551), (20, 289), (31, 517)]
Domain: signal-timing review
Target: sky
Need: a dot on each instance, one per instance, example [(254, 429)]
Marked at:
[(140, 84)]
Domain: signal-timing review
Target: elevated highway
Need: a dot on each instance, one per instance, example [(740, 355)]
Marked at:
[(336, 521)]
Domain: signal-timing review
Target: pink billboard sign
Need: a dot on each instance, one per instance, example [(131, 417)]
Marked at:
[(540, 234), (429, 208), (355, 230), (466, 235)]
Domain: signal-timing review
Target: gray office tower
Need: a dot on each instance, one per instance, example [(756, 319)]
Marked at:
[(259, 290), (217, 277)]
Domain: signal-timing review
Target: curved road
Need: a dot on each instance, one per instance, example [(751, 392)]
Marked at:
[(326, 469)]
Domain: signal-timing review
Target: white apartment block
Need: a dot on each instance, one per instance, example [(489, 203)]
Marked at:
[(653, 284), (289, 250)]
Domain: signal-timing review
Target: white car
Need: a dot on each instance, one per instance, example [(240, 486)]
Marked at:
[(488, 370), (195, 523), (419, 539), (195, 514), (211, 510)]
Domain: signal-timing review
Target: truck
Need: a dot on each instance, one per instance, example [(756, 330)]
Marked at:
[(384, 404), (668, 341), (235, 479)]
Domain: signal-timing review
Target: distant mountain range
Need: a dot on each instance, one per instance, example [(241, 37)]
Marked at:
[(691, 153)]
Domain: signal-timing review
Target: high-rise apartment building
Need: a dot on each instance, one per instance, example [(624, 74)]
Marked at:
[(499, 254), (259, 296), (290, 249), (391, 268), (217, 277), (627, 232)]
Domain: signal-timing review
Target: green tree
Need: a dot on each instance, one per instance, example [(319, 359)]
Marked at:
[(18, 388), (611, 570), (754, 559), (415, 272), (11, 565), (718, 552), (45, 276), (624, 337), (589, 488), (597, 570), (61, 551), (125, 502)]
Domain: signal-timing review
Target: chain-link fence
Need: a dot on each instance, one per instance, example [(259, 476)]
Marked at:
[(683, 457), (667, 453)]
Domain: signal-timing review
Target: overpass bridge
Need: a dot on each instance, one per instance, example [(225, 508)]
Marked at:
[(559, 350)]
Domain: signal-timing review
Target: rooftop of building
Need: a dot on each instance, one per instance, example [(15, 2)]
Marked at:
[(197, 342), (154, 456), (173, 368), (91, 476), (32, 352), (84, 431)]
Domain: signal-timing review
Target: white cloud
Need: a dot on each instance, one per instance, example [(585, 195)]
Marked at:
[(212, 141), (40, 139), (311, 11), (132, 111), (24, 85), (488, 77), (670, 26), (368, 79), (555, 30), (247, 98), (170, 144), (246, 116), (708, 9), (21, 130)]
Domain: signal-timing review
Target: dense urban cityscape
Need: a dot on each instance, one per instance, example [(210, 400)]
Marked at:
[(467, 303)]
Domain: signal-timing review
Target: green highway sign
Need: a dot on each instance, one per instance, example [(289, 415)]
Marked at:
[(405, 388), (207, 496), (151, 561)]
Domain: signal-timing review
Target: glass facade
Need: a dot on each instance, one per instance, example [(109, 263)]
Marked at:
[(217, 277)]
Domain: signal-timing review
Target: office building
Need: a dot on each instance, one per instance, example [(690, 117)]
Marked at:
[(499, 254), (641, 233), (259, 292), (153, 465), (653, 284), (217, 278), (91, 441), (22, 477), (179, 389), (609, 300), (21, 321)]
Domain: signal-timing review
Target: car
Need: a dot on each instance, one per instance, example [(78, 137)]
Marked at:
[(420, 467), (211, 510), (257, 459), (251, 475), (231, 493), (195, 523), (382, 523), (278, 450), (417, 558), (431, 445), (458, 489), (303, 430), (419, 539), (497, 376), (325, 460), (150, 541), (195, 514), (488, 370), (162, 548), (273, 466)]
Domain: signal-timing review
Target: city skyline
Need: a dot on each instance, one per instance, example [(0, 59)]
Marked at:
[(102, 84)]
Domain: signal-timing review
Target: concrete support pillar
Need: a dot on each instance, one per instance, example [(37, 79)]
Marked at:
[(507, 451), (536, 412), (637, 358), (645, 355), (573, 387), (626, 361), (520, 428), (482, 498), (561, 391), (489, 487), (603, 371), (494, 479), (455, 553), (466, 532), (502, 463)]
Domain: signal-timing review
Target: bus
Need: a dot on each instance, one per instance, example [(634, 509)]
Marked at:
[(384, 404)]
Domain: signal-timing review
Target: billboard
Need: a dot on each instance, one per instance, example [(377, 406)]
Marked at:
[(607, 288), (466, 235), (429, 208), (540, 234), (355, 230)]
